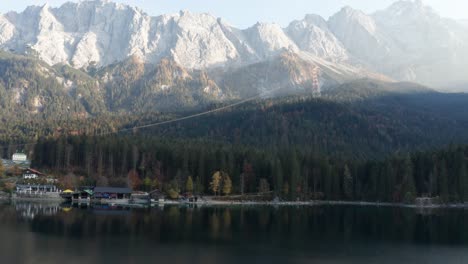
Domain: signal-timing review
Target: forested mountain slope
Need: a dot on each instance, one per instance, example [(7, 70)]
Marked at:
[(361, 119)]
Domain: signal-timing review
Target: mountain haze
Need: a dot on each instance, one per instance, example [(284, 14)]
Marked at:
[(407, 41)]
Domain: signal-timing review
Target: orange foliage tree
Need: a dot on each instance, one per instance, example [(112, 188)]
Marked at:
[(134, 180)]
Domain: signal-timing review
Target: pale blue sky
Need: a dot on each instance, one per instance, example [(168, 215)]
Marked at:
[(244, 13)]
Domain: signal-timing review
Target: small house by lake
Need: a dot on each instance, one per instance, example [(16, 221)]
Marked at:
[(31, 174)]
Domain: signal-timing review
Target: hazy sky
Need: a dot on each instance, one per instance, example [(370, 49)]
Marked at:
[(244, 13)]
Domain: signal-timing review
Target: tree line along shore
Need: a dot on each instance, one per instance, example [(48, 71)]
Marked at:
[(178, 166)]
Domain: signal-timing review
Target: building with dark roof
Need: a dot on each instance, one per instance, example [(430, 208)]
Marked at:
[(112, 193), (32, 174)]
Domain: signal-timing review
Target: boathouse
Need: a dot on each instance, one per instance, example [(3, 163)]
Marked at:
[(84, 194), (112, 193)]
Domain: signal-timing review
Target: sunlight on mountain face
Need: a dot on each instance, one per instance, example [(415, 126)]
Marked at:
[(408, 41)]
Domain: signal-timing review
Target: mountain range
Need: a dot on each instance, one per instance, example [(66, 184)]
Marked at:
[(356, 84), (408, 41)]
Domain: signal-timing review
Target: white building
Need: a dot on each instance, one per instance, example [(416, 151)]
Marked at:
[(19, 157), (31, 174)]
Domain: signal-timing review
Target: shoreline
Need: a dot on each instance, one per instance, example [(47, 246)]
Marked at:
[(337, 203), (269, 203)]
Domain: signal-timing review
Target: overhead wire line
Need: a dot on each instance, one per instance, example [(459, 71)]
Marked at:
[(255, 97)]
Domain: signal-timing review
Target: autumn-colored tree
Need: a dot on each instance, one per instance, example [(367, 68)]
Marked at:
[(189, 185), (2, 169), (227, 184), (215, 182), (173, 189), (9, 187), (173, 194), (147, 184), (155, 184), (69, 181), (16, 171), (134, 181)]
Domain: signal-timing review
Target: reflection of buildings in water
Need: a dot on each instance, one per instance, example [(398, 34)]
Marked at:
[(32, 210), (110, 210), (97, 208)]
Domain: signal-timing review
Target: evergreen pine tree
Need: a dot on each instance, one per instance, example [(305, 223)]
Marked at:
[(433, 180), (348, 184), (461, 176), (443, 182), (278, 176), (408, 186), (390, 182), (295, 175)]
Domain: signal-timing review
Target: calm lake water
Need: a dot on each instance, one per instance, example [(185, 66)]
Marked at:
[(55, 233)]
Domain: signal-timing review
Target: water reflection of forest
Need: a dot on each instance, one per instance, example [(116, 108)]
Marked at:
[(280, 225)]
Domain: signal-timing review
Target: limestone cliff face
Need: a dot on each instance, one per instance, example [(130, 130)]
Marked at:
[(102, 32), (313, 35), (407, 41)]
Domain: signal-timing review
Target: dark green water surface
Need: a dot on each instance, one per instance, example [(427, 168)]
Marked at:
[(58, 233)]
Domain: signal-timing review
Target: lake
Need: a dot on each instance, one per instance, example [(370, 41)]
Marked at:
[(61, 233)]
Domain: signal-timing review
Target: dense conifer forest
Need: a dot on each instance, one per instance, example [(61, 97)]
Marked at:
[(291, 173)]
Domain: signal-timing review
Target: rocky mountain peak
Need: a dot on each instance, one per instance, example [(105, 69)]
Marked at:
[(313, 35), (406, 40), (348, 16), (45, 6), (415, 6), (407, 11), (269, 39), (316, 20)]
